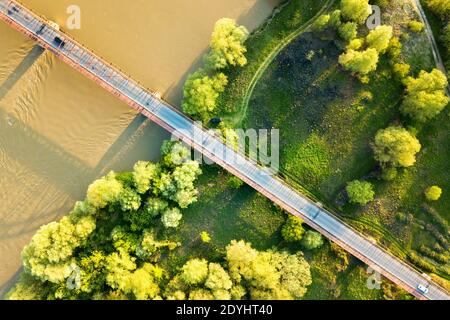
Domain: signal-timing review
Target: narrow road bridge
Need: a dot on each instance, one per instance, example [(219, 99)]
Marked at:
[(168, 117)]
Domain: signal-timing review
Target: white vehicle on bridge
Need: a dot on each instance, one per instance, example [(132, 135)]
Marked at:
[(423, 289)]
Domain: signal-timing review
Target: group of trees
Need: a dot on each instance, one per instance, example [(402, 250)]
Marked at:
[(361, 55), (204, 86), (108, 245), (245, 273)]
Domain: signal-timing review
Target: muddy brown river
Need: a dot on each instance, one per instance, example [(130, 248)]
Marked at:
[(59, 131)]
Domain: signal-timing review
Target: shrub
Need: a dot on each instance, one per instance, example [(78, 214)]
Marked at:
[(312, 240), (293, 230), (360, 192), (416, 26), (235, 182), (361, 62), (433, 193)]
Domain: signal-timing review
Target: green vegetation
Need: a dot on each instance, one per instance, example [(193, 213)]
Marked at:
[(360, 192), (227, 45), (312, 240), (293, 230), (433, 193), (438, 12), (395, 146), (337, 129), (425, 96), (201, 92)]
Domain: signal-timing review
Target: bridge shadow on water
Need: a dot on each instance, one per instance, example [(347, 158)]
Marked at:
[(20, 70)]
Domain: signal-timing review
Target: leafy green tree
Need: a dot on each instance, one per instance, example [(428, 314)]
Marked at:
[(395, 48), (28, 288), (123, 240), (227, 45), (174, 153), (194, 272), (92, 272), (401, 70), (348, 31), (129, 200), (104, 191), (143, 218), (49, 254), (433, 193), (355, 10), (389, 173), (379, 38), (292, 230), (143, 174), (396, 146), (322, 22), (269, 274), (335, 19), (171, 218), (361, 62), (360, 192), (201, 92), (312, 240), (355, 44), (218, 278), (425, 95)]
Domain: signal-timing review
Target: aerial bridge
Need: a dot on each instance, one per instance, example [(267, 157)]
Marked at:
[(150, 104)]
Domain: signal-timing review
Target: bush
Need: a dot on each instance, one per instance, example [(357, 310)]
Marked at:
[(348, 31), (293, 230), (361, 62), (235, 182), (433, 193), (416, 26), (312, 240), (360, 192)]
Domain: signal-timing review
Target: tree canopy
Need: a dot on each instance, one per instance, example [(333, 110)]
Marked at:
[(396, 146), (360, 192), (292, 230), (379, 38), (227, 45), (201, 92), (355, 10), (425, 95), (361, 62)]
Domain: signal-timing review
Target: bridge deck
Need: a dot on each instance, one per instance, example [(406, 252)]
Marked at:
[(159, 111)]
